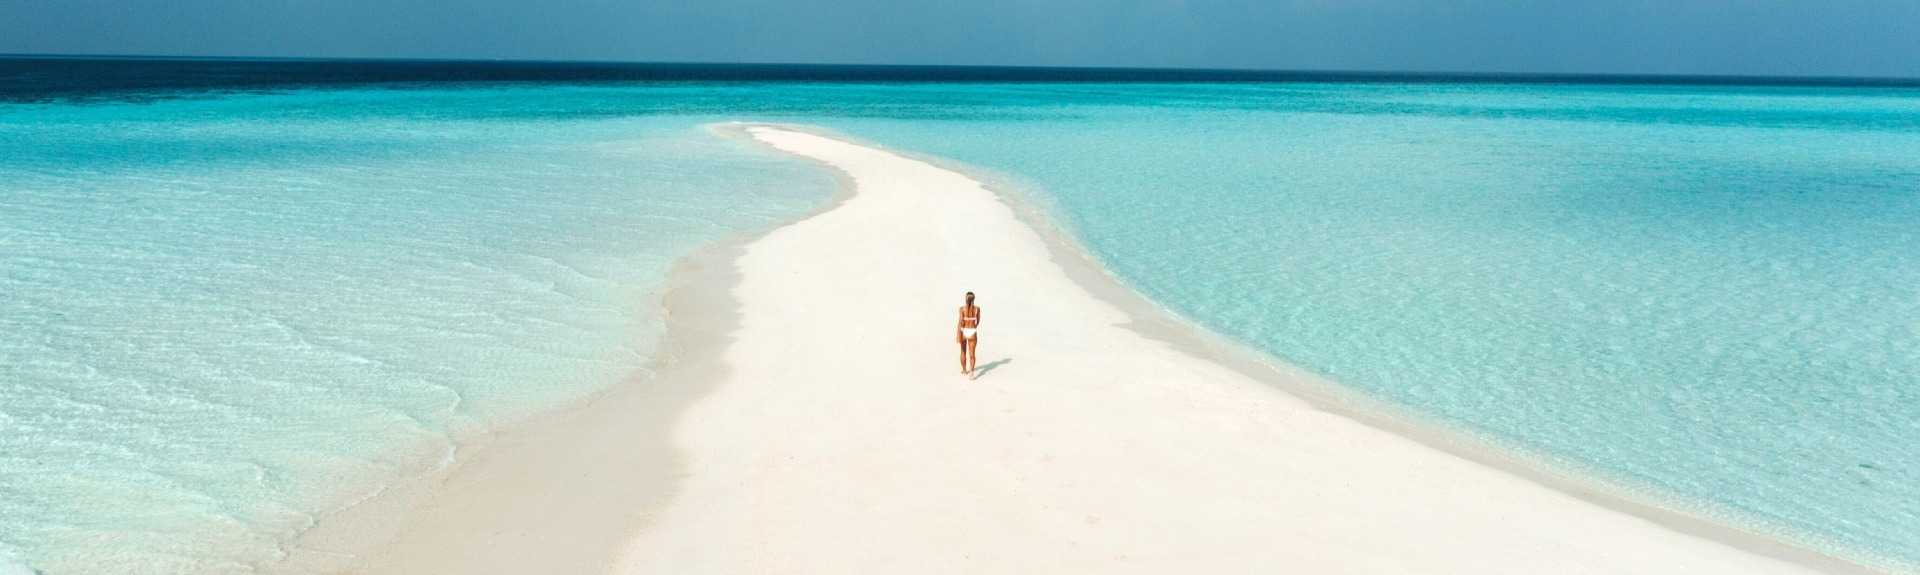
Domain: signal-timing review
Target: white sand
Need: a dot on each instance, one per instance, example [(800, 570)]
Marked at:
[(841, 439)]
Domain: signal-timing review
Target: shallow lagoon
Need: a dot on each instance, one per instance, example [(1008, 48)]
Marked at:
[(229, 311)]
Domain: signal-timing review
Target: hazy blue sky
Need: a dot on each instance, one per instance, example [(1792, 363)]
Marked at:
[(1783, 37)]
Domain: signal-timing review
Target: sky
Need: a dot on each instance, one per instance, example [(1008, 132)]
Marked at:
[(1750, 37)]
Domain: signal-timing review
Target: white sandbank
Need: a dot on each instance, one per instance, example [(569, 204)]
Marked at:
[(843, 440), (813, 420)]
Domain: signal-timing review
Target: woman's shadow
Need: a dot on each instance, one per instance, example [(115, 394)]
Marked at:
[(982, 369)]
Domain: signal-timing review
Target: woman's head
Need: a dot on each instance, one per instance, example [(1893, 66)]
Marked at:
[(969, 298)]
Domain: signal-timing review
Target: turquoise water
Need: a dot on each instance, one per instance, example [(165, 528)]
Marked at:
[(235, 310), (1708, 294), (223, 316)]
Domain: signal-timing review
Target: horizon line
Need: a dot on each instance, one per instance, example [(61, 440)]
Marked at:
[(1673, 78)]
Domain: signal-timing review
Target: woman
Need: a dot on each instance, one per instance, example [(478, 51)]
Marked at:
[(968, 335)]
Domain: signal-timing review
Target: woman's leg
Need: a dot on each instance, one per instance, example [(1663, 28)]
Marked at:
[(973, 353), (963, 355)]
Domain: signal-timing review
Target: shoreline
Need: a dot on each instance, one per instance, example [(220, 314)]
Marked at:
[(428, 523), (411, 526), (809, 259), (444, 517), (1154, 321)]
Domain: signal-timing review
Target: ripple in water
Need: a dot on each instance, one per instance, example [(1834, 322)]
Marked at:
[(226, 315)]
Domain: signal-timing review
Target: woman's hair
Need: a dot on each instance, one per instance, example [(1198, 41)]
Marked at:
[(969, 295)]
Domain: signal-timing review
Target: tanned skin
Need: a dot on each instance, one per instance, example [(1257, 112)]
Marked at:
[(969, 346)]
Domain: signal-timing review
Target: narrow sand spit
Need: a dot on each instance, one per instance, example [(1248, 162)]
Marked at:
[(841, 439), (809, 417)]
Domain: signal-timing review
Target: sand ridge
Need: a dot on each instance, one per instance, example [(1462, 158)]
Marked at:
[(842, 439)]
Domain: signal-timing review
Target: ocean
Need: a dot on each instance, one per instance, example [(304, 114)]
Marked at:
[(239, 294)]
